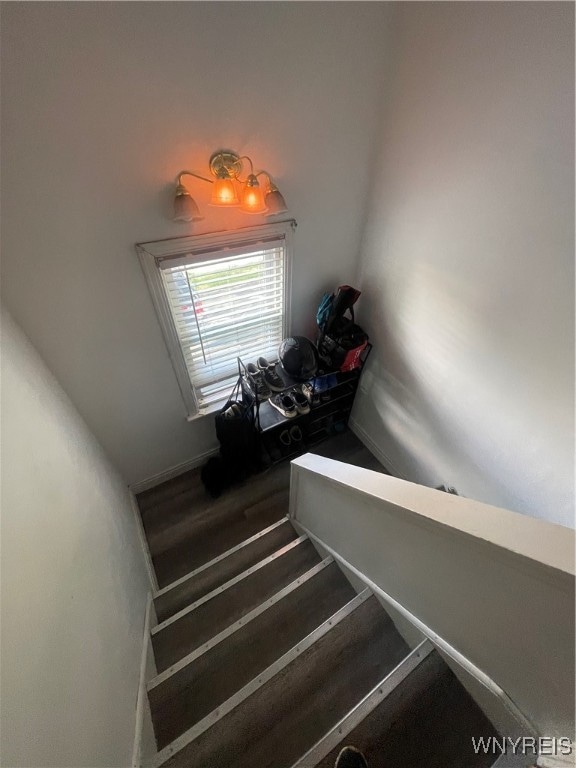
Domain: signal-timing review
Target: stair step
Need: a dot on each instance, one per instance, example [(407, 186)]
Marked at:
[(185, 529), (180, 700), (186, 630), (346, 731), (426, 722), (205, 579), (216, 528), (184, 546), (283, 712)]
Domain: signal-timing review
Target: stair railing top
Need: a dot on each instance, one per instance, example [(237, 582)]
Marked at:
[(492, 587), (547, 543)]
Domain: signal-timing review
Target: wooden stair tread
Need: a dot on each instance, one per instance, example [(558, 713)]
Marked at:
[(202, 686), (190, 546), (188, 632), (427, 722), (279, 722), (182, 594)]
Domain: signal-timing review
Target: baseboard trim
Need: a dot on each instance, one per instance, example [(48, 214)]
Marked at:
[(170, 474), (141, 708), (144, 543), (375, 449)]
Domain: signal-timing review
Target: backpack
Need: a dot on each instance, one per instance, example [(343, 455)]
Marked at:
[(341, 342)]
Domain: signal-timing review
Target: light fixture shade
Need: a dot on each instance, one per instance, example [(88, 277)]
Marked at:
[(229, 189), (224, 192), (185, 208), (252, 200), (275, 202)]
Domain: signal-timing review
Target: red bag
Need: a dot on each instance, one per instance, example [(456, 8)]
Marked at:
[(353, 358)]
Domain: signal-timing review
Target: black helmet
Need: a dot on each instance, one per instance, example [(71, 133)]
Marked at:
[(298, 357)]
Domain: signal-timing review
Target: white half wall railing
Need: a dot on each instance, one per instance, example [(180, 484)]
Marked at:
[(491, 588)]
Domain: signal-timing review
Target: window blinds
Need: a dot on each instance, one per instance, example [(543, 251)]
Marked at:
[(225, 305)]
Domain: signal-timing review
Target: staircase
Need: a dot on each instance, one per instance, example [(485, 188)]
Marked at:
[(267, 657)]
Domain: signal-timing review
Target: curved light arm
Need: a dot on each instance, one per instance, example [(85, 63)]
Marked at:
[(191, 173), (245, 157), (273, 187)]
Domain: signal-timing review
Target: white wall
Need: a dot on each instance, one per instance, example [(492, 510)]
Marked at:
[(103, 103), (468, 256), (74, 584)]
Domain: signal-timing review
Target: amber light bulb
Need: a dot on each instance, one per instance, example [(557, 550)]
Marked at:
[(224, 192), (252, 196)]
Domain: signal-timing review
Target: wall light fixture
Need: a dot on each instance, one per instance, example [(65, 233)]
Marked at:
[(230, 189)]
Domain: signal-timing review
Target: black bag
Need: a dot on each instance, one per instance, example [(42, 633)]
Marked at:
[(236, 431), (332, 311), (343, 351)]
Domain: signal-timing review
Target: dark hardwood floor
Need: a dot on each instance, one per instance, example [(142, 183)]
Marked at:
[(185, 527)]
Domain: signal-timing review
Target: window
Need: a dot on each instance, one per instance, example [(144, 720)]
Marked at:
[(219, 297)]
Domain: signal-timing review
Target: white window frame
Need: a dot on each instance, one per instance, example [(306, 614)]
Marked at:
[(153, 254)]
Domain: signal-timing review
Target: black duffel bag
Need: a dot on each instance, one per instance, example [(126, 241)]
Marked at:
[(236, 430), (239, 443)]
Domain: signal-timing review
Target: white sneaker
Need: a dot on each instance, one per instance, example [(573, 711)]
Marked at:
[(350, 757), (307, 390), (302, 404), (285, 404)]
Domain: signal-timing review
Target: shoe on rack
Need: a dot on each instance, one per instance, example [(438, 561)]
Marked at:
[(296, 433), (302, 404), (263, 364), (268, 371), (285, 438), (307, 391), (350, 757), (285, 404), (310, 393), (257, 383), (285, 442), (297, 437)]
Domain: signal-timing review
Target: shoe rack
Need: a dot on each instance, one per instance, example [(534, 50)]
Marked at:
[(333, 394)]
